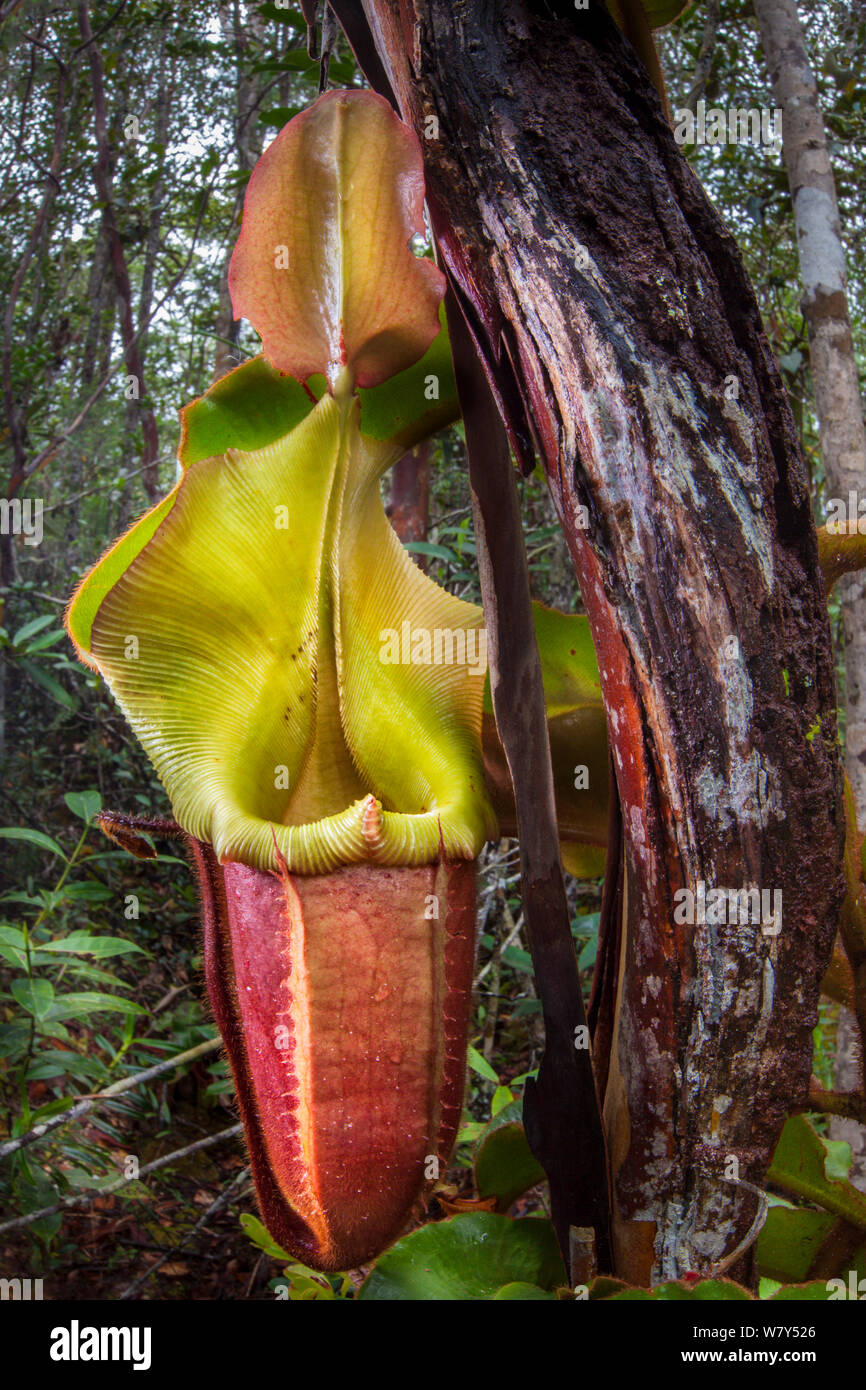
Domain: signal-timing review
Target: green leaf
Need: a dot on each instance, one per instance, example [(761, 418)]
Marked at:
[(502, 1096), (87, 892), (799, 1168), (438, 552), (790, 1240), (467, 1257), (13, 946), (54, 1107), (505, 1166), (816, 1292), (480, 1065), (48, 639), (277, 116), (707, 1291), (523, 1291), (512, 1113), (298, 60), (34, 1191), (469, 1131), (767, 1287), (282, 14), (48, 683), (259, 1236), (30, 629), (54, 1063), (83, 944), (36, 996), (81, 1005), (305, 1285), (31, 837), (524, 1007), (587, 925), (519, 959), (84, 804), (586, 959), (77, 967)]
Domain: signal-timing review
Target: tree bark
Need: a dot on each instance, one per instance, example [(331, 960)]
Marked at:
[(618, 330), (836, 387)]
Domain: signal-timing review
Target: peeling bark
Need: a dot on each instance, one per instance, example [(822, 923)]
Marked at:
[(612, 312)]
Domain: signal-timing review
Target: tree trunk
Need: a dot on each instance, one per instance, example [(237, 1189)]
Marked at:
[(836, 388), (120, 270), (409, 509), (618, 330), (706, 54), (241, 32), (101, 295)]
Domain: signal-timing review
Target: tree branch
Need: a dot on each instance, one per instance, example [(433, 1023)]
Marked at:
[(84, 1198), (88, 1103)]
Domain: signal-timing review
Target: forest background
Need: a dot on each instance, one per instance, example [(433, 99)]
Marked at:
[(126, 141)]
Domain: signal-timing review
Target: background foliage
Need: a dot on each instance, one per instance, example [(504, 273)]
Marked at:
[(100, 964)]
